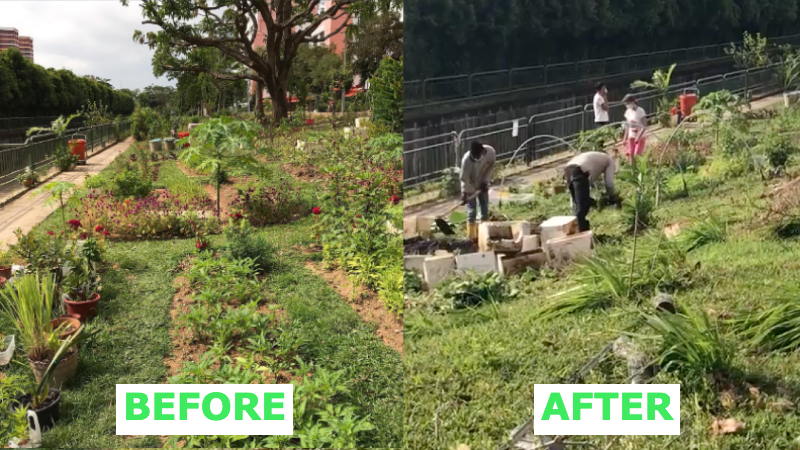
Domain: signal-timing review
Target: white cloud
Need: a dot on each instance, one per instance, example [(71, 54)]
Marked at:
[(87, 37)]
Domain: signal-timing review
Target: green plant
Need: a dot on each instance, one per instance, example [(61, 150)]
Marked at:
[(776, 328), (412, 282), (62, 155), (473, 289), (243, 241), (219, 145), (387, 94), (450, 183), (752, 53), (660, 82), (390, 288), (57, 190), (29, 175), (130, 183), (704, 232), (714, 106), (5, 257), (692, 346), (28, 304), (13, 424)]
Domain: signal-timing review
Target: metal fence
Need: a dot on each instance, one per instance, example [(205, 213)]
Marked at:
[(14, 159), (426, 158), (432, 91)]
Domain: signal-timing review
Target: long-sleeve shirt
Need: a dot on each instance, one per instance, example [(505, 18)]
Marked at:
[(474, 173), (594, 164)]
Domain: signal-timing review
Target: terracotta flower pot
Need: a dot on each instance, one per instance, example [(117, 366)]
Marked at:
[(72, 324), (65, 369), (6, 272), (48, 412), (86, 309), (3, 281), (28, 183)]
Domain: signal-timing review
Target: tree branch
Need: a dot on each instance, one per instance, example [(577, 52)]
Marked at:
[(217, 75)]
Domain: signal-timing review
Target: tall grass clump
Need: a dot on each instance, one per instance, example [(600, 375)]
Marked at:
[(703, 232), (692, 347), (773, 329)]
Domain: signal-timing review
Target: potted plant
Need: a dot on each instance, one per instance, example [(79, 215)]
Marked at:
[(5, 263), (81, 296), (29, 305), (63, 158), (44, 400), (14, 427), (28, 177)]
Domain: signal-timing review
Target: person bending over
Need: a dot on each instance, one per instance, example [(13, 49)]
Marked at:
[(580, 172)]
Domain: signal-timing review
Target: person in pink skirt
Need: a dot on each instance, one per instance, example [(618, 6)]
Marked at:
[(636, 125)]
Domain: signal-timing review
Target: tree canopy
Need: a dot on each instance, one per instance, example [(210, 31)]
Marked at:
[(30, 90), (448, 37)]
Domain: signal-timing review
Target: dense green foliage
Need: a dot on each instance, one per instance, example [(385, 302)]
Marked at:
[(387, 95), (447, 38), (30, 90)]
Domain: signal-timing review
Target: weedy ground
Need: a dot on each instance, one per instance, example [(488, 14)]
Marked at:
[(469, 373)]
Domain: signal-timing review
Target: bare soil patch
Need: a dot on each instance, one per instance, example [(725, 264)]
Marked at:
[(306, 173), (184, 347), (227, 195), (366, 303)]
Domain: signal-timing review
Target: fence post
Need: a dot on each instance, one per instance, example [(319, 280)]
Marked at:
[(530, 153)]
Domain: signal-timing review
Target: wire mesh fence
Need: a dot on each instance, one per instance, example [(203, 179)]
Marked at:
[(546, 133)]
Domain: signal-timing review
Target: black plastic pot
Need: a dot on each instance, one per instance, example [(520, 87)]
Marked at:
[(48, 413)]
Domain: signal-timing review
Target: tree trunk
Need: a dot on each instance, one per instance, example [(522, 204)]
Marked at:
[(280, 106), (259, 106)]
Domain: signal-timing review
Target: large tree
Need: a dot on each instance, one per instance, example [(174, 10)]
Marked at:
[(378, 36), (231, 27)]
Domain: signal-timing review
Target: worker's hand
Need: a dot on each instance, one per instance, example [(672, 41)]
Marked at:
[(464, 198)]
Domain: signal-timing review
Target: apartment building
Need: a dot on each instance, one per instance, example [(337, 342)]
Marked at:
[(9, 37)]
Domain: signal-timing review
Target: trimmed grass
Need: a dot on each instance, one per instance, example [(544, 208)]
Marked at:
[(470, 380)]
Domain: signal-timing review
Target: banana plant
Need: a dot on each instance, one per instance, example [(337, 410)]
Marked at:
[(659, 82), (63, 158)]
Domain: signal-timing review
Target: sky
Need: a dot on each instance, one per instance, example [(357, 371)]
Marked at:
[(88, 37)]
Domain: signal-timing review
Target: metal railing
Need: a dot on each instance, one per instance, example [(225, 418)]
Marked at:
[(439, 90), (425, 159), (14, 158)]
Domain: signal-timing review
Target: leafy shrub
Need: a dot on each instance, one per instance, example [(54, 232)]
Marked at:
[(473, 289), (245, 242), (390, 287), (450, 183), (265, 205), (130, 183), (387, 94), (724, 168)]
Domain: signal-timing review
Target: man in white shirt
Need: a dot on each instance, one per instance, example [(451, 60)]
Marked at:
[(600, 105), (476, 174), (580, 172)]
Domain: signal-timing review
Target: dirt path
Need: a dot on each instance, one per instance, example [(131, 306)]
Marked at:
[(26, 212), (552, 167)]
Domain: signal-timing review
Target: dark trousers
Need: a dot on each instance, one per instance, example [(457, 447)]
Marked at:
[(579, 191)]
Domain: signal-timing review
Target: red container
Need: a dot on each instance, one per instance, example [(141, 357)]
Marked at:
[(687, 102), (78, 147), (184, 134)]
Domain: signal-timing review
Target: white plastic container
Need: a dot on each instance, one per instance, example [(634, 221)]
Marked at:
[(8, 353)]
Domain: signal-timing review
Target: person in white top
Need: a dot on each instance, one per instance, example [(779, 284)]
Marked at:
[(635, 127), (476, 174), (600, 105)]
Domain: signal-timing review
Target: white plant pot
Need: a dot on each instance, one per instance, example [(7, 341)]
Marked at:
[(790, 98)]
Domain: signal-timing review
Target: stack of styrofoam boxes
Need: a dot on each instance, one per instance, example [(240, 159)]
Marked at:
[(515, 247), (562, 243)]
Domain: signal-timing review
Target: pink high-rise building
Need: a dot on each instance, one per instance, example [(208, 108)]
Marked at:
[(9, 37)]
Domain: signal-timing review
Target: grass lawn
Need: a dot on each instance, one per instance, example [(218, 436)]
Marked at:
[(469, 374), (135, 324)]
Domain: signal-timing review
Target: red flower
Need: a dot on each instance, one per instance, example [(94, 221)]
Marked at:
[(394, 199), (98, 228), (74, 224), (316, 210), (673, 111), (106, 233), (50, 233), (83, 236), (238, 215), (358, 215), (200, 245)]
